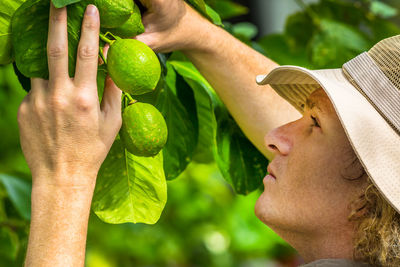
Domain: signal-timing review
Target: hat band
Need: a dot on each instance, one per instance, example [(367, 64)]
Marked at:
[(368, 78)]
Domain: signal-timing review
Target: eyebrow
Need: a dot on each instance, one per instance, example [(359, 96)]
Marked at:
[(310, 104)]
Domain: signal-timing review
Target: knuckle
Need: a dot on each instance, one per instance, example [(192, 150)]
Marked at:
[(58, 17), (58, 103), (87, 52), (84, 102), (90, 25), (56, 51), (22, 111), (38, 106)]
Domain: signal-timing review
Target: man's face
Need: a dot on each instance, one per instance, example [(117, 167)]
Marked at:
[(313, 166)]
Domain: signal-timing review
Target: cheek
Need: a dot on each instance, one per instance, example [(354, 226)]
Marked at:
[(308, 192)]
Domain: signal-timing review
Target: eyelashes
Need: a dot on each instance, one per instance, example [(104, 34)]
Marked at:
[(315, 122)]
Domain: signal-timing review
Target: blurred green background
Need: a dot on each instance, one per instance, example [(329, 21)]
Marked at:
[(204, 222)]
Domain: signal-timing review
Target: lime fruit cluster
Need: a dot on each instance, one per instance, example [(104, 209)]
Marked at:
[(136, 70)]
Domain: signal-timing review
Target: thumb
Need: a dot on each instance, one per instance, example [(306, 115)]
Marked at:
[(112, 94), (111, 102)]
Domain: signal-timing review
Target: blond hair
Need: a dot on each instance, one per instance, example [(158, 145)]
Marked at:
[(377, 229)]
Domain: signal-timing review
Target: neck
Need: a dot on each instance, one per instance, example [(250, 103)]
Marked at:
[(326, 245)]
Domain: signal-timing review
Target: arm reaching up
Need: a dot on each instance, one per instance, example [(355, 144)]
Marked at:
[(229, 65), (65, 136)]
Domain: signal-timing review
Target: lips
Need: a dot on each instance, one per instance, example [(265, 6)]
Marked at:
[(269, 170)]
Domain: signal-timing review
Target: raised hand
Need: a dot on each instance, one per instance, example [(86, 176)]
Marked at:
[(64, 131), (171, 25)]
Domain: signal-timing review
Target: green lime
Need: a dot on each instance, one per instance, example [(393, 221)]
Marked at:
[(132, 27), (133, 66), (113, 13), (144, 131)]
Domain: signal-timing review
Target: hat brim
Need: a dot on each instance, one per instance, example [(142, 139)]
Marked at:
[(372, 138)]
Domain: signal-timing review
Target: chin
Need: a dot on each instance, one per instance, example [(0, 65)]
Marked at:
[(261, 208), (267, 212)]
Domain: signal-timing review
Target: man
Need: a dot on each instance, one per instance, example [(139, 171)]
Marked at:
[(335, 209)]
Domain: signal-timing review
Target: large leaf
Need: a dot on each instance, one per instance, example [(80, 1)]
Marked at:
[(19, 192), (206, 11), (227, 9), (29, 38), (182, 138), (206, 101), (7, 9), (238, 159), (9, 243), (383, 10), (62, 3), (240, 163), (130, 188)]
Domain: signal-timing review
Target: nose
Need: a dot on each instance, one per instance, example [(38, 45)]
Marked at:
[(280, 140)]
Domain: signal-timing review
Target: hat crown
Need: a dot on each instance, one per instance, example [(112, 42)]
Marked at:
[(386, 55), (376, 75)]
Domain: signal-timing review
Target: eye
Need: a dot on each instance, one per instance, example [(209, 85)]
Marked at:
[(315, 122)]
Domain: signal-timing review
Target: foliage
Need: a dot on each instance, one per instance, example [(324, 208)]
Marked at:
[(204, 223), (328, 33)]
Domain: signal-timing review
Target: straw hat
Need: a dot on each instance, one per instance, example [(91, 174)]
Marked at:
[(365, 93)]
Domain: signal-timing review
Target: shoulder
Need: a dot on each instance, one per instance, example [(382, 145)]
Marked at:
[(336, 263)]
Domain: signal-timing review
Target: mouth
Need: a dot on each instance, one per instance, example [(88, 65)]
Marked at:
[(270, 172)]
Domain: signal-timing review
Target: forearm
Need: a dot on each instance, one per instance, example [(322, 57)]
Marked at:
[(59, 223), (231, 67)]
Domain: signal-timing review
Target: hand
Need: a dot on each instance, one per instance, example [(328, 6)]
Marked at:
[(172, 25), (65, 133)]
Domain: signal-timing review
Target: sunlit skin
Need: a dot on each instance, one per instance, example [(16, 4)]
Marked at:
[(307, 203)]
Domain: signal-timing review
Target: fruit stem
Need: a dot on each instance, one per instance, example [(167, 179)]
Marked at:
[(105, 39), (131, 100), (112, 35)]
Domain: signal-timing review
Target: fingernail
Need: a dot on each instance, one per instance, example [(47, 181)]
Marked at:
[(91, 10)]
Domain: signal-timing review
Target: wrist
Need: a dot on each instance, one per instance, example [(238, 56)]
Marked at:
[(196, 32), (59, 222), (64, 181)]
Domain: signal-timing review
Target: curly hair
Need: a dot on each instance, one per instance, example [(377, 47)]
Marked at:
[(377, 229)]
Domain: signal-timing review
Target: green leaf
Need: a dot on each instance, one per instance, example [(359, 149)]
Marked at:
[(7, 9), (333, 39), (9, 243), (29, 38), (63, 3), (382, 28), (214, 16), (19, 192), (240, 163), (206, 101), (130, 188), (206, 11), (182, 138), (276, 47), (245, 30), (383, 10), (299, 29), (227, 9), (23, 80), (199, 5)]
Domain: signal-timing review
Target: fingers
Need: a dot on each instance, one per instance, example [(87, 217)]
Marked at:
[(57, 44), (38, 83), (105, 50), (88, 49), (111, 102)]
